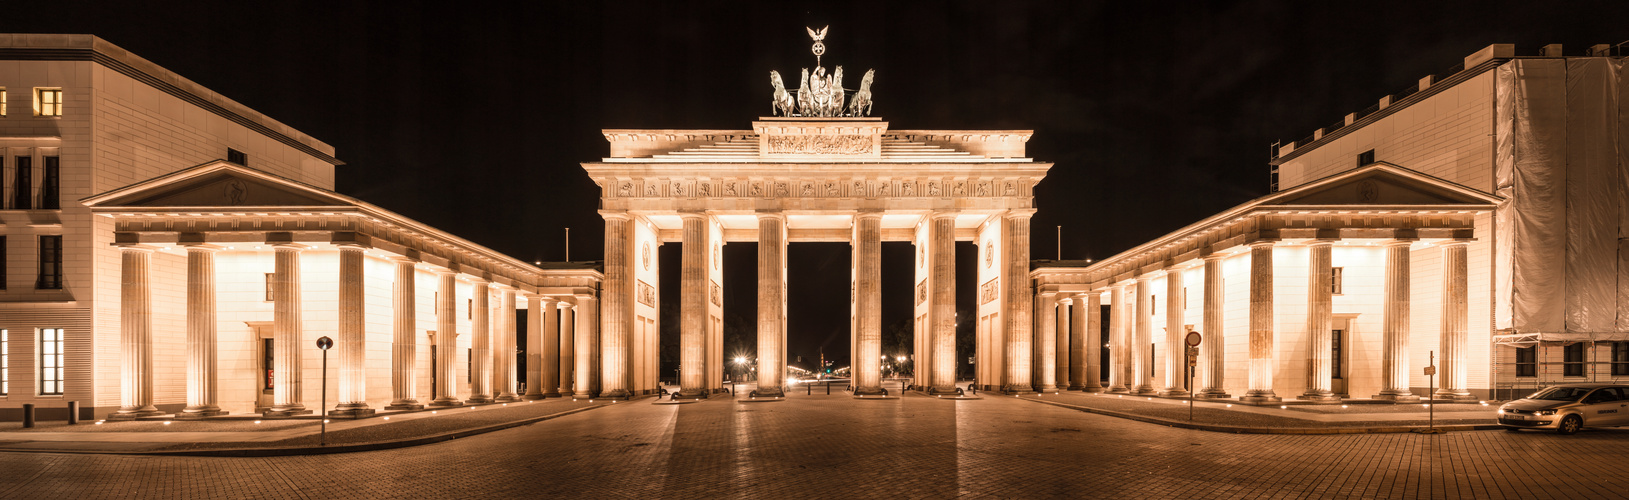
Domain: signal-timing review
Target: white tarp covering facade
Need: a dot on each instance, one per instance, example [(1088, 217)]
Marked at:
[(1562, 167)]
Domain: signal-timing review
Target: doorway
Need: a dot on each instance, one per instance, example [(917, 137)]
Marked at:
[(265, 348), (1337, 356)]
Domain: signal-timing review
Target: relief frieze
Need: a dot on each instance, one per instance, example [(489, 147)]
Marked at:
[(645, 293), (989, 291), (820, 144)]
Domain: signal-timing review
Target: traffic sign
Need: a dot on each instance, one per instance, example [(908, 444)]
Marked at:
[(1430, 370), (1193, 338)]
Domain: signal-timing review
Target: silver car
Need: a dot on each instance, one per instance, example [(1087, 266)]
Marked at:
[(1568, 407)]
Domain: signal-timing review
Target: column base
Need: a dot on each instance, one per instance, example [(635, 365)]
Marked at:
[(1042, 388), (1172, 393), (582, 395), (551, 393), (1453, 396), (446, 403), (479, 400), (1260, 397), (1145, 391), (507, 398), (868, 391), (200, 412), (285, 412), (405, 406), (1074, 387), (532, 397), (1093, 390), (134, 414), (1400, 397), (351, 412), (1118, 390), (690, 394), (943, 391), (768, 392), (1318, 396), (617, 394), (1212, 394)]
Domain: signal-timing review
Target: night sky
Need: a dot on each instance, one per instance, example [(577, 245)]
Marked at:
[(474, 118)]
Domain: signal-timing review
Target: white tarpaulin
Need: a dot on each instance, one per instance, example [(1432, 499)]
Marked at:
[(1562, 165)]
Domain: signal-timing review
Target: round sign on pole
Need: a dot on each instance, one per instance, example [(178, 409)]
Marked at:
[(324, 343), (1193, 338)]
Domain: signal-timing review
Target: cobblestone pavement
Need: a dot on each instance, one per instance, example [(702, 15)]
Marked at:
[(1240, 415), (831, 446)]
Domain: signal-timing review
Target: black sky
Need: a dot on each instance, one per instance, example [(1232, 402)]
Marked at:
[(473, 117)]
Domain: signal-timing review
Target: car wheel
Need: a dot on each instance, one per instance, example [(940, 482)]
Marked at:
[(1512, 429), (1570, 424)]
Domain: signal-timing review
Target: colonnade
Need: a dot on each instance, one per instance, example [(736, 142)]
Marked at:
[(550, 370)]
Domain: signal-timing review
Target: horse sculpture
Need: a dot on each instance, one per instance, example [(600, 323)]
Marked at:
[(861, 105), (784, 103), (834, 101), (805, 96)]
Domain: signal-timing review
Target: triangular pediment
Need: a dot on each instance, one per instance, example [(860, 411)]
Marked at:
[(1380, 184), (218, 184)]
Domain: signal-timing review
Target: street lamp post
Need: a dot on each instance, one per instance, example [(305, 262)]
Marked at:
[(324, 343)]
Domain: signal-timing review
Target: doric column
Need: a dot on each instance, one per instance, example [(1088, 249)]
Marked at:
[(616, 310), (404, 346), (136, 334), (352, 333), (1020, 308), (534, 346), (1320, 310), (1211, 349), (942, 246), (201, 341), (693, 307), (1261, 323), (446, 339), (587, 333), (868, 302), (568, 348), (288, 330), (1142, 362), (1394, 332), (1088, 327), (1062, 345), (1117, 340), (771, 303), (503, 352), (480, 342), (1452, 368), (1054, 324), (1176, 366)]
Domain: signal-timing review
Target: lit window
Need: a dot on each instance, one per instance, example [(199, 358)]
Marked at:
[(1335, 279), (47, 102), (269, 277), (51, 361), (5, 362), (2, 101), (1572, 360), (50, 263)]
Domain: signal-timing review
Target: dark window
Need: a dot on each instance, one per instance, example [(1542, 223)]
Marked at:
[(435, 369), (1526, 361), (469, 309), (1572, 360), (1335, 279), (268, 347), (5, 362), (1365, 158), (1153, 354), (269, 296), (52, 184), (51, 361), (238, 157), (2, 262), (1620, 358), (469, 366), (50, 263), (1335, 354), (1153, 305), (22, 186), (1272, 179)]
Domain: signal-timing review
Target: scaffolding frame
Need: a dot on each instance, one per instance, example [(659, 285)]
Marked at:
[(1548, 372)]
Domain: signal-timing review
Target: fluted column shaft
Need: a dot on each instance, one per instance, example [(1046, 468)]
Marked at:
[(1054, 324), (1088, 328), (1452, 368), (1117, 340), (503, 353), (693, 307), (868, 302), (288, 330), (1261, 323), (352, 332), (1320, 311), (1394, 332), (1020, 310), (568, 348), (446, 339), (771, 304), (1142, 362), (1211, 361), (586, 330), (1072, 342), (136, 334), (480, 342), (616, 307), (201, 339), (404, 345), (542, 347), (1176, 358), (1062, 345), (942, 245)]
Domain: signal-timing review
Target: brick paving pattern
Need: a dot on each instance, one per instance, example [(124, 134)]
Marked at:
[(913, 447)]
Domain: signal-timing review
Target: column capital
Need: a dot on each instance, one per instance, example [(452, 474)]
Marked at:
[(136, 247), (504, 287), (693, 214), (444, 271), (1065, 299), (1084, 295), (1151, 276), (943, 214), (1456, 242), (289, 245), (404, 259), (1399, 242), (1018, 213), (201, 246), (1262, 243), (1211, 255), (350, 239), (867, 213), (615, 215), (775, 214)]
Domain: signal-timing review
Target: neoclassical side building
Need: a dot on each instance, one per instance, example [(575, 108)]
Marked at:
[(166, 250), (1477, 218)]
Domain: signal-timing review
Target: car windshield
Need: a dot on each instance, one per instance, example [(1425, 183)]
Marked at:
[(1560, 394)]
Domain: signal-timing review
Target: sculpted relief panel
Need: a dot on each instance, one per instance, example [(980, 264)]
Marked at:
[(820, 144), (813, 188)]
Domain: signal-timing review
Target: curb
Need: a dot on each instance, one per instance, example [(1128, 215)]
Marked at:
[(1233, 429), (319, 450)]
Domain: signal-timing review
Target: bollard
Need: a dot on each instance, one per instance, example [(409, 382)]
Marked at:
[(28, 415), (73, 413)]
